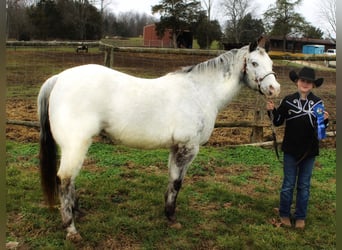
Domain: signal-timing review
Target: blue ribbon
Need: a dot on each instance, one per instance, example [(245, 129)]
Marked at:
[(319, 112)]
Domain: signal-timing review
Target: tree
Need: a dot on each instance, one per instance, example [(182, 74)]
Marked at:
[(45, 19), (18, 25), (126, 24), (312, 32), (281, 19), (208, 5), (206, 32), (132, 23), (235, 11), (327, 12), (109, 23), (66, 19), (92, 23), (177, 15), (249, 29)]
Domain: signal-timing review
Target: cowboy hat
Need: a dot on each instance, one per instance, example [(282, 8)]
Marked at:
[(307, 74)]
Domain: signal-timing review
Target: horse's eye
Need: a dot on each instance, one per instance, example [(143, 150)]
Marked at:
[(255, 64)]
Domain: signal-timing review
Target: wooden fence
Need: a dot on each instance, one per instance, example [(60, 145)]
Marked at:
[(257, 125), (255, 140)]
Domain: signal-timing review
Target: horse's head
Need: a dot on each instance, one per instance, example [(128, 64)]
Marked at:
[(257, 70)]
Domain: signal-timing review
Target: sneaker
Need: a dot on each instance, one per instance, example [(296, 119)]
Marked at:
[(285, 221), (300, 224)]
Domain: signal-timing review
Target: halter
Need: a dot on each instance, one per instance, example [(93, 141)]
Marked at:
[(270, 114), (262, 78), (270, 73), (257, 80)]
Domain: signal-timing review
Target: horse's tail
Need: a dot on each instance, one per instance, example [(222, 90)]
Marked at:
[(48, 147)]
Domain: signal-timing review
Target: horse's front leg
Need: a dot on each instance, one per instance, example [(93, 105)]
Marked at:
[(180, 158)]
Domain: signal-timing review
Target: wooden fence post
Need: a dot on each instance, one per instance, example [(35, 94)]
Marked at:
[(258, 130), (107, 57), (111, 62)]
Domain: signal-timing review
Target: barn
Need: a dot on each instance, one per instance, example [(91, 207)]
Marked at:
[(184, 39), (152, 40), (295, 44)]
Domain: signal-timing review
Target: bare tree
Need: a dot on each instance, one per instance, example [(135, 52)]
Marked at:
[(235, 11), (102, 4), (208, 4), (327, 12), (18, 26)]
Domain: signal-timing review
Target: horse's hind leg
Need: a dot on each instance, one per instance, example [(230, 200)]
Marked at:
[(180, 158), (71, 163), (67, 197)]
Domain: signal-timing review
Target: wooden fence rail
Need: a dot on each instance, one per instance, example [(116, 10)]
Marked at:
[(32, 124), (257, 124), (244, 124), (247, 124)]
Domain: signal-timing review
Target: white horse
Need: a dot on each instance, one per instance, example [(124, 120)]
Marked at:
[(176, 111)]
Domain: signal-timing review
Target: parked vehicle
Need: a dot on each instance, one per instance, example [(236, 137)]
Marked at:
[(330, 52)]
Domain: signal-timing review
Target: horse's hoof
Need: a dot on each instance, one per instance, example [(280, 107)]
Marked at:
[(74, 237), (175, 225)]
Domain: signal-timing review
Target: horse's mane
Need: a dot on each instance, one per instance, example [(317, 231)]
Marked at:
[(221, 63)]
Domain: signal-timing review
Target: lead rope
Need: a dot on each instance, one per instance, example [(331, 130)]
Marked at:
[(274, 136), (275, 143)]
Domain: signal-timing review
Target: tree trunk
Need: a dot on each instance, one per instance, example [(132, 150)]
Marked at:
[(174, 40)]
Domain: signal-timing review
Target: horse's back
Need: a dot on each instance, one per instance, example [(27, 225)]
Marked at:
[(137, 112), (77, 101)]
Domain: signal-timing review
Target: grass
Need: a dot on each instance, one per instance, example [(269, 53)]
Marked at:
[(226, 202)]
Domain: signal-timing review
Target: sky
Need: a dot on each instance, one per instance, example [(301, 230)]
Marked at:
[(308, 8)]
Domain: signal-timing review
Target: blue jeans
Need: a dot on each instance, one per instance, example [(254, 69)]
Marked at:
[(296, 172)]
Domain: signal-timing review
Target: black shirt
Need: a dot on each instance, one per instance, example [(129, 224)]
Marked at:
[(300, 137)]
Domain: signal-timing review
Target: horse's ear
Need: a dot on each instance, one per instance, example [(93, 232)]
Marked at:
[(267, 46), (258, 43), (253, 46), (262, 41)]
